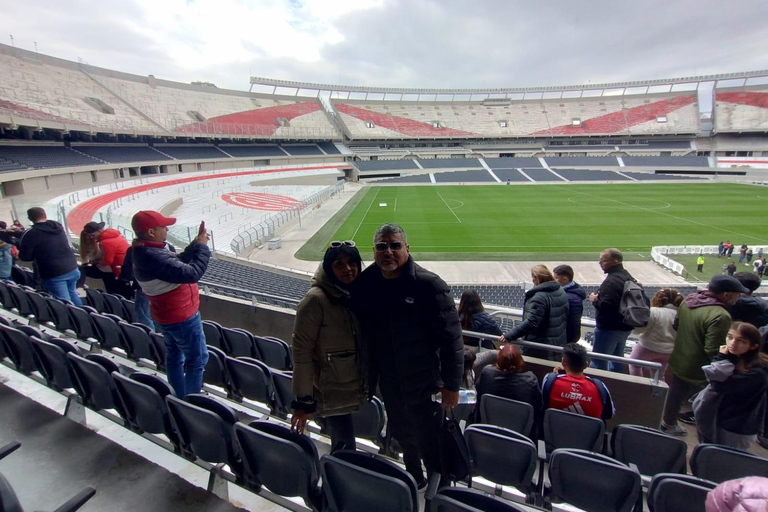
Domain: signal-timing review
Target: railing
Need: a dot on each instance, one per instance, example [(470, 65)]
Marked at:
[(256, 297)]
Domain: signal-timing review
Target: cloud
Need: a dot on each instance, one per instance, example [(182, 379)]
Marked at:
[(398, 43)]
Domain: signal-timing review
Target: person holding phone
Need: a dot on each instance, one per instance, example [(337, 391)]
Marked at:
[(169, 281)]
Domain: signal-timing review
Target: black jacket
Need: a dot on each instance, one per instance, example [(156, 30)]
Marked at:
[(522, 386), (544, 315), (482, 322), (753, 310), (609, 295), (742, 409), (47, 245), (576, 296), (412, 330)]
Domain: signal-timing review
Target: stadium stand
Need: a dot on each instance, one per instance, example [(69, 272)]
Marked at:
[(329, 148), (741, 110), (512, 162), (541, 175), (247, 150), (381, 165), (589, 175), (666, 161), (513, 175), (191, 152), (303, 150), (249, 278), (413, 178), (643, 176), (42, 157), (441, 163), (122, 154), (581, 161), (464, 177)]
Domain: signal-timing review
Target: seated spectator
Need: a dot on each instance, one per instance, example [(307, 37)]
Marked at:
[(576, 295), (657, 339), (545, 313), (506, 378), (474, 317), (731, 409), (102, 251), (568, 389), (48, 246), (750, 309)]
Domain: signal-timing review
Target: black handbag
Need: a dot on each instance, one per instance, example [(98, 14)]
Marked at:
[(454, 454)]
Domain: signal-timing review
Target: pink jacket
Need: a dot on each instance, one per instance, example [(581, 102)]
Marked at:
[(744, 495)]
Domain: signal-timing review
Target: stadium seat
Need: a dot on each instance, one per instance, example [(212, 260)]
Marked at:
[(114, 305), (5, 296), (672, 492), (563, 429), (507, 413), (9, 449), (20, 301), (40, 308), (108, 333), (503, 456), (82, 321), (51, 359), (283, 385), (96, 300), (649, 449), (213, 335), (592, 481), (369, 421), (251, 379), (274, 352), (284, 461), (204, 427), (10, 503), (458, 499), (215, 373), (61, 318), (721, 463), (94, 382), (158, 349), (356, 481), (17, 349), (239, 343), (137, 341)]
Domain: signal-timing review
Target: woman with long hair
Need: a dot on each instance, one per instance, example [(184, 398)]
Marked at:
[(473, 317), (328, 364), (731, 408), (506, 378), (657, 339), (545, 314), (102, 253)]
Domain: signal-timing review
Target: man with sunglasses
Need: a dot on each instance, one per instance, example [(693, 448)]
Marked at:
[(413, 334)]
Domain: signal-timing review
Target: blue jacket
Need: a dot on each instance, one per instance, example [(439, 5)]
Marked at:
[(170, 280), (6, 261), (576, 296)]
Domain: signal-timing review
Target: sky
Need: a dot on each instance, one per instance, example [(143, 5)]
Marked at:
[(398, 43)]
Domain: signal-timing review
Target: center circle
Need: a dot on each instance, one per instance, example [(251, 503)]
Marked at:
[(260, 201)]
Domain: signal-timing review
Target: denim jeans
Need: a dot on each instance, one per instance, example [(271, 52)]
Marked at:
[(610, 343), (141, 307), (186, 355), (64, 287)]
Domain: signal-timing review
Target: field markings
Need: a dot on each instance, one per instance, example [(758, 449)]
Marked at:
[(571, 200), (366, 212), (393, 211), (446, 204), (717, 228)]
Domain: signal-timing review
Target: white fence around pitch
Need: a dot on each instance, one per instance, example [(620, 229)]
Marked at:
[(659, 254)]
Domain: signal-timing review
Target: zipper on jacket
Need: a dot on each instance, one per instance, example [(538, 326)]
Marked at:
[(340, 353)]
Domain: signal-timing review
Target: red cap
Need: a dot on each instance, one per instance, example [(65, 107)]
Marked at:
[(146, 220)]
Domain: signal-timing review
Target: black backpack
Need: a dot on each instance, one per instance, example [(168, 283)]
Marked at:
[(634, 306)]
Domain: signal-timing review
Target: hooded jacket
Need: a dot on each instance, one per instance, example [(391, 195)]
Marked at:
[(327, 362), (702, 323), (113, 247), (482, 322), (47, 245), (743, 495), (576, 295), (412, 330), (753, 310), (170, 280), (607, 314), (545, 313)]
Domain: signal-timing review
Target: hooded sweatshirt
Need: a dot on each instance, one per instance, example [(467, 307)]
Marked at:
[(702, 324), (47, 245)]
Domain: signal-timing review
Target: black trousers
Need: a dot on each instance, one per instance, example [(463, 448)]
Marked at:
[(417, 429), (342, 431)]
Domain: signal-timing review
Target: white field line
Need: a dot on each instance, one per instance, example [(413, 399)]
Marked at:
[(446, 205), (366, 213)]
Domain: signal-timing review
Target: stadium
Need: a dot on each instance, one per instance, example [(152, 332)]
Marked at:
[(486, 182)]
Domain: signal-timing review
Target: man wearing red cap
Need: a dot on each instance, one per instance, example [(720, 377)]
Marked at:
[(170, 282)]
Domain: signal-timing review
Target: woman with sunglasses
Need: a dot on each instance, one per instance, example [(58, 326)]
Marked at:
[(327, 364)]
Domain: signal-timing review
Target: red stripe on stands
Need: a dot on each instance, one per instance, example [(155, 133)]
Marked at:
[(753, 99), (84, 212)]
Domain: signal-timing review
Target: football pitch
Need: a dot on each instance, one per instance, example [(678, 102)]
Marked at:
[(564, 222)]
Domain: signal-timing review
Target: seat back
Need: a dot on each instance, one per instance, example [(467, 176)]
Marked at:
[(592, 481), (649, 449), (369, 420), (459, 499), (239, 343), (94, 384), (251, 379), (215, 372), (137, 341), (61, 318), (721, 463), (507, 413), (213, 335), (107, 332), (129, 310), (671, 492), (275, 353), (20, 301), (143, 398), (204, 428), (17, 349), (283, 460), (5, 296), (96, 300), (8, 500), (51, 357), (355, 481), (39, 307), (82, 322), (501, 455), (283, 385), (563, 429), (114, 305), (158, 349)]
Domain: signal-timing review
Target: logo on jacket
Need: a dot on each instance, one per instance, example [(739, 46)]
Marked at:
[(409, 300)]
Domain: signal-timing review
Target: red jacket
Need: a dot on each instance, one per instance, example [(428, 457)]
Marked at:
[(113, 247)]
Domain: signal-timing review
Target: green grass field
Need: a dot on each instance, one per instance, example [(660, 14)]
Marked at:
[(563, 222)]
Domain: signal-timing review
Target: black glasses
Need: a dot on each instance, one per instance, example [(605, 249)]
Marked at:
[(383, 246), (339, 243)]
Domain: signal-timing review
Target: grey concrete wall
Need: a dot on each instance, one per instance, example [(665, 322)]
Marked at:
[(261, 320), (15, 188), (82, 179), (62, 181)]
